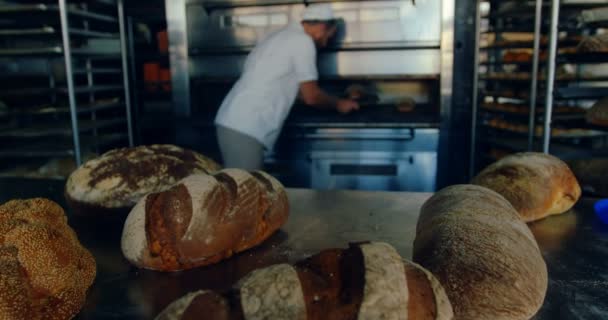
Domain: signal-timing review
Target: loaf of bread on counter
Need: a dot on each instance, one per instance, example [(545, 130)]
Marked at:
[(483, 254), (44, 270), (204, 219), (365, 281), (116, 180), (598, 113), (536, 184)]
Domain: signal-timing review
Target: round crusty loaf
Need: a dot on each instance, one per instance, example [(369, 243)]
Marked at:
[(536, 184), (366, 281), (44, 270), (119, 178), (204, 219), (598, 113), (485, 257)]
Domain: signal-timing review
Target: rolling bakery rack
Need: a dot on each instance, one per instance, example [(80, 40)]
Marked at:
[(533, 82), (65, 87)]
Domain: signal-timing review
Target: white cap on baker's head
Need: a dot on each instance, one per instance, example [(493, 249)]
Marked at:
[(318, 12)]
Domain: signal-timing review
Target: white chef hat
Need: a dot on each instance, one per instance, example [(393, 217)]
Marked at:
[(318, 12)]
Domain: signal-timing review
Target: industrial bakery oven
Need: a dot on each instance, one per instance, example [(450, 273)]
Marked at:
[(394, 51)]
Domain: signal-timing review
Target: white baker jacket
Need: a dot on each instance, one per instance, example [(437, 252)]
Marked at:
[(260, 101)]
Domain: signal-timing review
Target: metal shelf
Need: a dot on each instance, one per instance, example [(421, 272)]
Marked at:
[(48, 109), (98, 71), (522, 126), (579, 133), (62, 129), (524, 9), (42, 31), (40, 91), (93, 89), (563, 113), (581, 93), (521, 144), (45, 51), (57, 50), (93, 34), (13, 10), (514, 78), (47, 31), (584, 58), (568, 42), (57, 148), (563, 58), (63, 27)]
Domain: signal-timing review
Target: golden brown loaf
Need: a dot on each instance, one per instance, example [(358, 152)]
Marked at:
[(598, 114), (485, 257), (44, 270), (204, 219), (365, 281), (119, 178), (536, 184)]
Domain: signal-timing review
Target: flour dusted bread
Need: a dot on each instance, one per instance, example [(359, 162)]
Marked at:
[(365, 281), (536, 184), (119, 178), (483, 254), (44, 270), (204, 219)]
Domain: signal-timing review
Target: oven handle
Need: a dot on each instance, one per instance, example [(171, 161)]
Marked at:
[(359, 136)]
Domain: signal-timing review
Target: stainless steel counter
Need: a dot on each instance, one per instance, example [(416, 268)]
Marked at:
[(575, 246)]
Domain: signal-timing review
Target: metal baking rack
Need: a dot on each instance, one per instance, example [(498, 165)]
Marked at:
[(78, 102), (535, 79)]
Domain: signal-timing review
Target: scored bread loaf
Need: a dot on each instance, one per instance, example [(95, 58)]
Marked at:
[(204, 219), (116, 180), (44, 270), (483, 254), (365, 281), (536, 184)]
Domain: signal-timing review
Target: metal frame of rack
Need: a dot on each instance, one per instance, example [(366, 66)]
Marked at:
[(91, 75), (553, 58)]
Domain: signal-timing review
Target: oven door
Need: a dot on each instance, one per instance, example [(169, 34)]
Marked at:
[(408, 171)]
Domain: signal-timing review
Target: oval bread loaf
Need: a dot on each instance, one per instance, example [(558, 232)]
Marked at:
[(204, 219), (119, 178), (45, 272), (536, 184), (366, 281), (483, 254)]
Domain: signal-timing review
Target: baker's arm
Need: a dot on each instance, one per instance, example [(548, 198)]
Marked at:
[(314, 96)]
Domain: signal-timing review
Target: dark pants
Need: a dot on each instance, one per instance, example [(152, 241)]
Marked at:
[(240, 150)]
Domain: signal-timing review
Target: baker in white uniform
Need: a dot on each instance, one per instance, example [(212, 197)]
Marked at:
[(281, 65)]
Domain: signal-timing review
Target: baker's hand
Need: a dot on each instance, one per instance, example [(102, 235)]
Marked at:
[(346, 106)]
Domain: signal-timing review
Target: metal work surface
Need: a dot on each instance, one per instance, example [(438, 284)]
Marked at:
[(574, 246)]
